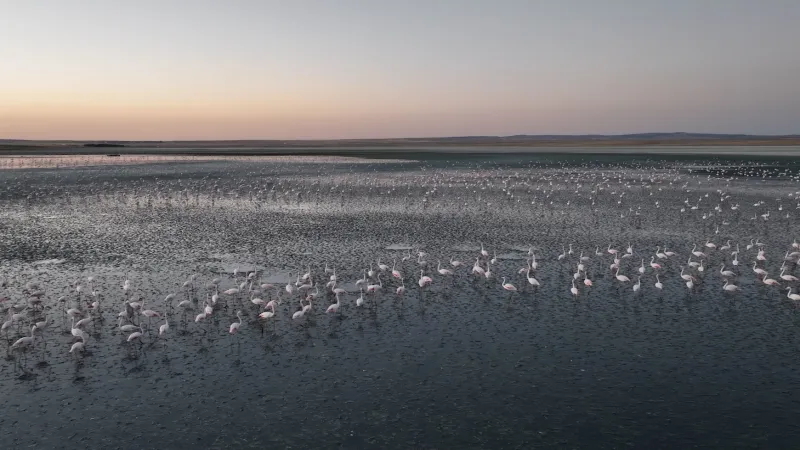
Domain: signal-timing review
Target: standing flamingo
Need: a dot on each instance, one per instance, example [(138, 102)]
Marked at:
[(235, 325)]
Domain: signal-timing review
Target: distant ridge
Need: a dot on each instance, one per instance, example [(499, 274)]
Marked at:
[(651, 139), (458, 139), (633, 136)]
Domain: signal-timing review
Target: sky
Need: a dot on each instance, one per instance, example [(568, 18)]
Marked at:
[(332, 69)]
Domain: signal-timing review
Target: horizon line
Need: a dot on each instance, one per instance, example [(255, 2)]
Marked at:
[(476, 136)]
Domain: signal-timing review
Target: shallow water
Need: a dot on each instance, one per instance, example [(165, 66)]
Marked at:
[(459, 364)]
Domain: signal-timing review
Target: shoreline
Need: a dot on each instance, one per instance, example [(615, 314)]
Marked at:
[(739, 149)]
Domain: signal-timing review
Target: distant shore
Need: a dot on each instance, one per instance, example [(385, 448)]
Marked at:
[(626, 140), (652, 143)]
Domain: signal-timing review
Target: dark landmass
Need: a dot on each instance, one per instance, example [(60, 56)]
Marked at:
[(103, 145), (626, 143), (516, 140)]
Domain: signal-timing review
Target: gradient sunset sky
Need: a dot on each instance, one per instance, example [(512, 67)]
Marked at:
[(308, 69)]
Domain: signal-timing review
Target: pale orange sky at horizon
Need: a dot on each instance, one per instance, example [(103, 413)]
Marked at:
[(246, 69)]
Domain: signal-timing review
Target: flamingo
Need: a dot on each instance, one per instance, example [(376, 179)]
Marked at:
[(162, 330), (508, 286), (563, 253), (443, 272), (77, 332), (396, 273), (80, 324), (726, 273), (290, 289), (362, 280), (654, 264), (338, 290), (268, 314), (208, 310), (698, 253), (200, 317), (234, 291), (573, 289), (6, 325), (26, 341), (729, 287), (76, 347), (334, 307), (686, 276), (256, 301), (477, 269), (659, 285), (401, 289), (372, 288), (531, 280), (235, 325), (135, 335), (621, 278), (127, 328), (786, 277), (424, 280), (791, 296), (360, 299)]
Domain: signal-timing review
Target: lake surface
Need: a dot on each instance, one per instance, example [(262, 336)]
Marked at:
[(461, 363)]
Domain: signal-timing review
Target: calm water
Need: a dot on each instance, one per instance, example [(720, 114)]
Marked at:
[(459, 364)]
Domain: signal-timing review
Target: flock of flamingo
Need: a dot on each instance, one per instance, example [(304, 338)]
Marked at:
[(382, 282), (30, 313)]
